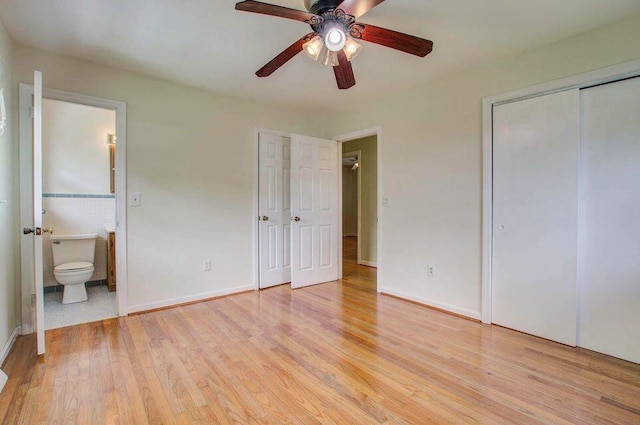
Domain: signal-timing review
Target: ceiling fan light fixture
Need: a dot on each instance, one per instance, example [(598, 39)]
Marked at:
[(313, 48), (331, 58), (334, 22), (352, 49), (335, 39)]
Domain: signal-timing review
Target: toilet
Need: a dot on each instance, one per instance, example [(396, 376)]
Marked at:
[(73, 257)]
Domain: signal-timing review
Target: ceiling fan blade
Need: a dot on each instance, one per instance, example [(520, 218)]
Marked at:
[(358, 8), (397, 40), (283, 57), (344, 72), (273, 10)]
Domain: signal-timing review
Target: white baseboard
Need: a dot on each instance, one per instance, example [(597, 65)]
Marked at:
[(368, 263), (3, 355), (191, 298), (435, 304), (9, 344), (3, 380)]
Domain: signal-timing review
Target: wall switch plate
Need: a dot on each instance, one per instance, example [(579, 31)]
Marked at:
[(206, 265), (431, 271), (386, 201), (135, 199)]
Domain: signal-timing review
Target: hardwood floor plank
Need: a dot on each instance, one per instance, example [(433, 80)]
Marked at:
[(336, 353)]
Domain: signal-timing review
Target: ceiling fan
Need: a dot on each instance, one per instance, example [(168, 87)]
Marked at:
[(334, 31)]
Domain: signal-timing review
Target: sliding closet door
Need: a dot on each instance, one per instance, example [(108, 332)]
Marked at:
[(535, 218), (609, 305)]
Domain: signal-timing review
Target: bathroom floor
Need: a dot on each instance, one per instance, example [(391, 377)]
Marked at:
[(100, 305)]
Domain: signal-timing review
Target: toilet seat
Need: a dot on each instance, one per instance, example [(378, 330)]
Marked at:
[(75, 267)]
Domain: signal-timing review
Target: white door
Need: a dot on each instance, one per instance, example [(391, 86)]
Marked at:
[(274, 209), (31, 211), (37, 208), (609, 301), (535, 219), (314, 202)]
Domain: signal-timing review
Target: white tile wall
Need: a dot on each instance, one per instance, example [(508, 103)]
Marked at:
[(75, 216)]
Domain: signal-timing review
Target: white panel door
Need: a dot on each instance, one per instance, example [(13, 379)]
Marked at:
[(314, 207), (37, 209), (274, 209), (609, 301), (535, 218)]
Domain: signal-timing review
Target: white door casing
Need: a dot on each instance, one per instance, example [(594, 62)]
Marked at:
[(609, 266), (314, 208), (535, 186), (375, 131), (274, 209), (26, 96)]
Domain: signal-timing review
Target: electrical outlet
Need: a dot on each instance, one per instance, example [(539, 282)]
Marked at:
[(206, 265), (431, 271), (386, 201)]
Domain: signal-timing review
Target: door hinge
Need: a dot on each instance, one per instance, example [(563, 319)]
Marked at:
[(31, 112), (33, 300)]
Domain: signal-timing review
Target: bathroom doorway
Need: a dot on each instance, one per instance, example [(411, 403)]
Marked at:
[(83, 193), (79, 205)]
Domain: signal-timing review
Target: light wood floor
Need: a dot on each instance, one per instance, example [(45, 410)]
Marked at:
[(336, 353)]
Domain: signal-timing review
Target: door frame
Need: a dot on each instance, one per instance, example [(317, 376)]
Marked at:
[(373, 131), (120, 108), (580, 81)]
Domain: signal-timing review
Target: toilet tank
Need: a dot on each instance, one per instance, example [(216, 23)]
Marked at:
[(73, 248)]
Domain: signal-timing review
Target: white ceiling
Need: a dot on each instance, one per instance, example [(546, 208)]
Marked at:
[(207, 44)]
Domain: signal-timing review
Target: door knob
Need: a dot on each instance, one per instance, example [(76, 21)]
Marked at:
[(296, 218), (49, 231), (27, 230), (265, 218)]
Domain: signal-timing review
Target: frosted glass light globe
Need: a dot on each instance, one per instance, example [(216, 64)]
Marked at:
[(335, 39)]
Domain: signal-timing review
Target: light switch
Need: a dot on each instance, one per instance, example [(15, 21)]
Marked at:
[(386, 201), (134, 199)]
